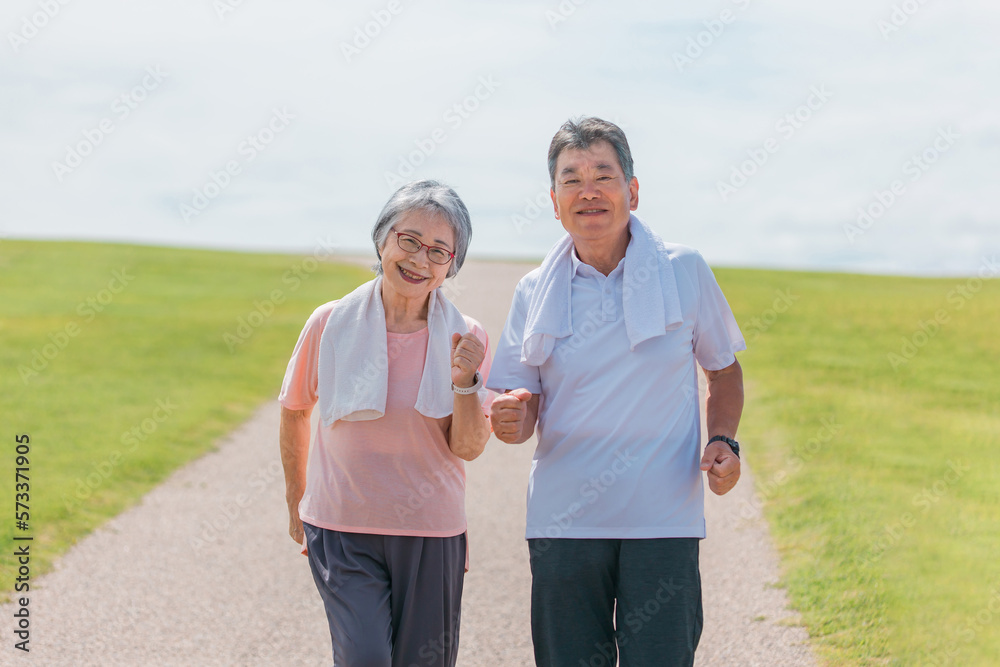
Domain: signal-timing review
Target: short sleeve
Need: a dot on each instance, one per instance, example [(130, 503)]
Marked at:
[(299, 388), (717, 336), (479, 332), (508, 372)]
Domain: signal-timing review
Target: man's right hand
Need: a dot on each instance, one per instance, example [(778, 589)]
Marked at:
[(508, 414)]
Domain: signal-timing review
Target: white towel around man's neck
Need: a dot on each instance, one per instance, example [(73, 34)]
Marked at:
[(354, 358), (650, 300)]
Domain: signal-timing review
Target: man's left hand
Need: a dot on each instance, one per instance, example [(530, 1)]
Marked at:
[(722, 466)]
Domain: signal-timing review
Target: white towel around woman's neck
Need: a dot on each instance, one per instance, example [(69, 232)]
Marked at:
[(650, 300), (354, 358)]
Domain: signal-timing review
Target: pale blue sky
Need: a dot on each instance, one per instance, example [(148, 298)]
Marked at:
[(343, 122)]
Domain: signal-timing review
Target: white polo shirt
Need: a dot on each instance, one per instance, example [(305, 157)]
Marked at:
[(619, 438)]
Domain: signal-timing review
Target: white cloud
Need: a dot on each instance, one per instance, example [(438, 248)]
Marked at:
[(356, 120)]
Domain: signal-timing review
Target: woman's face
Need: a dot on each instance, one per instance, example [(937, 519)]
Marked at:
[(413, 275)]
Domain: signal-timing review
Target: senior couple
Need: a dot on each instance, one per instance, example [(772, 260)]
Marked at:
[(600, 350)]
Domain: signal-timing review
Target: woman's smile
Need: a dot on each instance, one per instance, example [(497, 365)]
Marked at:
[(410, 277)]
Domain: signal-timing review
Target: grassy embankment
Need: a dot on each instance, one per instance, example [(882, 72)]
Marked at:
[(876, 472), (871, 423), (123, 362)]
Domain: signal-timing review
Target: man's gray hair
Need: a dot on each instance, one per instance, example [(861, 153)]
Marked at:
[(581, 134), (429, 196)]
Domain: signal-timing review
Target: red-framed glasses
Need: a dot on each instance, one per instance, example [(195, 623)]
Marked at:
[(411, 244)]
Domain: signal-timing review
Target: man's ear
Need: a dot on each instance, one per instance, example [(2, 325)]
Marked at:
[(555, 206), (633, 194)]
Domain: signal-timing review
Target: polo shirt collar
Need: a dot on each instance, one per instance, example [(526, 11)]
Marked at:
[(577, 262)]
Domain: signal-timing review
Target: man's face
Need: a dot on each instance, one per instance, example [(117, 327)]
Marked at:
[(591, 197)]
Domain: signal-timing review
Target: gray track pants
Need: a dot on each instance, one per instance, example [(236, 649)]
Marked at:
[(391, 601)]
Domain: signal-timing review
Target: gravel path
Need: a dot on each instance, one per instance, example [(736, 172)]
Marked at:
[(202, 572)]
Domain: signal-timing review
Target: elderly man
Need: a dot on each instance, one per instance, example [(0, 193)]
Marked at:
[(600, 348)]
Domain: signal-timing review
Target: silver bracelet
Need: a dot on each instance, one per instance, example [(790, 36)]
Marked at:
[(464, 391)]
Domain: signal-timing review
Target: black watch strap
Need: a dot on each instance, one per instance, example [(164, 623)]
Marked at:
[(733, 445)]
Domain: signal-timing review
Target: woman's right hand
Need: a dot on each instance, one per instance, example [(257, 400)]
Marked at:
[(294, 440), (295, 523)]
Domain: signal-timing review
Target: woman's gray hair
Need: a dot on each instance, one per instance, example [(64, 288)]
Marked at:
[(430, 196), (581, 134)]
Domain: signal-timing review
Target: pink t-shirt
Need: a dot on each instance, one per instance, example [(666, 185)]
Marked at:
[(389, 476)]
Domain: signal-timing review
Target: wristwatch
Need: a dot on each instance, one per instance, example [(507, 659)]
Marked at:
[(478, 382), (733, 445)]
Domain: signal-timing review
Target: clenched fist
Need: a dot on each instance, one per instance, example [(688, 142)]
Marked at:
[(467, 353), (722, 466), (508, 414)]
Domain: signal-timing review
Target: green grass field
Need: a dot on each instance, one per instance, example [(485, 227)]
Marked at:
[(123, 362), (873, 407)]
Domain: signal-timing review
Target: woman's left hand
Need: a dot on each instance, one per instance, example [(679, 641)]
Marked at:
[(467, 353)]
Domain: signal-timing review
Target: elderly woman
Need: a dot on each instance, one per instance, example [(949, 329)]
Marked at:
[(398, 374)]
